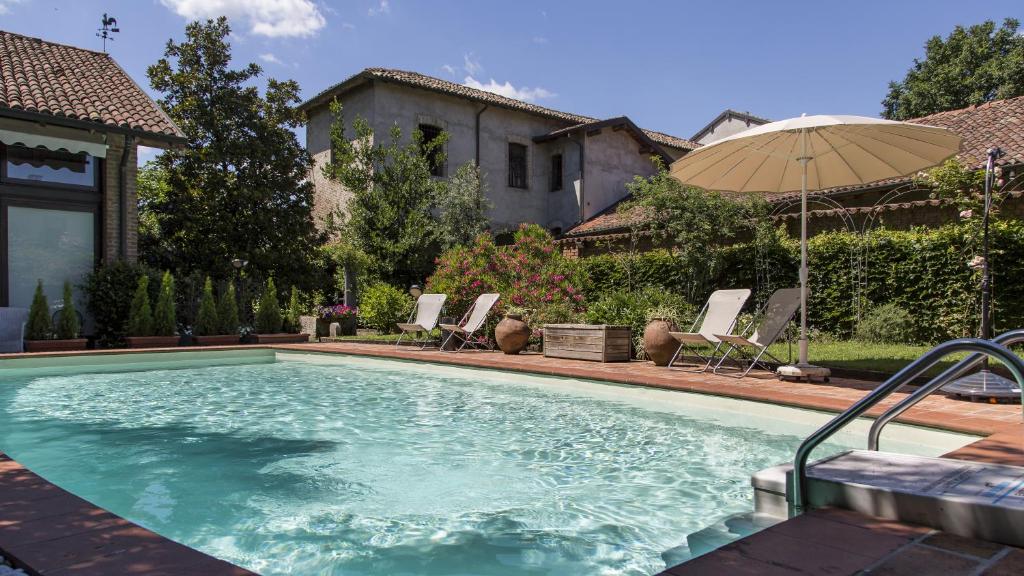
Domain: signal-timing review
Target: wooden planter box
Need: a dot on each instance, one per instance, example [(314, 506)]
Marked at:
[(283, 338), (152, 341), (597, 342), (56, 345), (216, 340)]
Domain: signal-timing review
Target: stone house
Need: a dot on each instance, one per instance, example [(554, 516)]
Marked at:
[(71, 121), (542, 166), (727, 123), (896, 204)]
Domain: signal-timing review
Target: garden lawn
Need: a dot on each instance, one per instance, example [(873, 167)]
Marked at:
[(854, 355)]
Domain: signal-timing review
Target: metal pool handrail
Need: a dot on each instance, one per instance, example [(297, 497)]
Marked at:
[(955, 371), (797, 496)]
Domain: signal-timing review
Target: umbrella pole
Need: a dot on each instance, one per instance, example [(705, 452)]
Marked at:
[(803, 370)]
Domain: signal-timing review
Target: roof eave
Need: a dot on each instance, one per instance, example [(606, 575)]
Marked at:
[(146, 137)]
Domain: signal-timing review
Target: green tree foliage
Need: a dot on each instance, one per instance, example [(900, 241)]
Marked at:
[(972, 65), (292, 312), (39, 324), (68, 326), (207, 321), (694, 221), (140, 316), (164, 317), (108, 288), (268, 315), (462, 207), (240, 187), (393, 194), (227, 310), (382, 306), (886, 324)]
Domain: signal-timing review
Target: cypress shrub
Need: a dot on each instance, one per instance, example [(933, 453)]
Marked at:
[(268, 316), (207, 323), (39, 325), (292, 313), (140, 318), (67, 321), (164, 318), (227, 310)]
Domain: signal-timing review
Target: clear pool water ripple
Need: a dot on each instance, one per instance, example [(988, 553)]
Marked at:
[(359, 467)]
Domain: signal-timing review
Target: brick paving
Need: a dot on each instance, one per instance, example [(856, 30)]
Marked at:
[(56, 533)]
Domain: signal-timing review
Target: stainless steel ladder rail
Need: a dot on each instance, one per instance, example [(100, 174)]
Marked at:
[(955, 371), (797, 494)]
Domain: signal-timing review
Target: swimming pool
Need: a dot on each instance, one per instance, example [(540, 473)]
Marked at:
[(290, 463)]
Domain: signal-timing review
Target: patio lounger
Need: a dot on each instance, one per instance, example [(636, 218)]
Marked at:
[(775, 315), (717, 317), (12, 329), (427, 310), (471, 322)]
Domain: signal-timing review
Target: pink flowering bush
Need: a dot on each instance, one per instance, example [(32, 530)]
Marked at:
[(530, 274), (337, 312)]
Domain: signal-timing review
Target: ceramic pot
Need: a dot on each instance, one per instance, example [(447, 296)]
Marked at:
[(659, 345), (512, 334)]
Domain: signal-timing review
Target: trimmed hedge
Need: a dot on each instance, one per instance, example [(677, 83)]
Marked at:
[(923, 271)]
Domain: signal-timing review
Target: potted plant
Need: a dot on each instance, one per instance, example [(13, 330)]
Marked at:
[(269, 321), (152, 328), (513, 333), (210, 329), (40, 335), (344, 316)]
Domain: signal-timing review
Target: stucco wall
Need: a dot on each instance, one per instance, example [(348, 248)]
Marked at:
[(727, 127), (612, 159)]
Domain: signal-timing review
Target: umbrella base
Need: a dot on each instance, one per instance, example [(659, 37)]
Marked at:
[(808, 372), (985, 386)]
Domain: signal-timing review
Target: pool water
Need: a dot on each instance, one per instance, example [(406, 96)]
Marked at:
[(318, 464)]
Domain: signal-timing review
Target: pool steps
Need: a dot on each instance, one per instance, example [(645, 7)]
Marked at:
[(726, 530), (966, 498)]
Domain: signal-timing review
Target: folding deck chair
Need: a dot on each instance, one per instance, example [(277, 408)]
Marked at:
[(718, 316), (427, 310), (775, 315), (472, 321)]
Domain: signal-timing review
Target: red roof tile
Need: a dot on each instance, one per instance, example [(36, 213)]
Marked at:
[(64, 81)]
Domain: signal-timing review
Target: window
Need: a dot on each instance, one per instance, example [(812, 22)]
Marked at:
[(556, 172), (516, 165), (434, 154), (38, 165)]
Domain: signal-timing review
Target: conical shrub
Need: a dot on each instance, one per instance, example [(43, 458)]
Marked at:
[(227, 310), (140, 317), (39, 325), (164, 315), (268, 316), (207, 323)]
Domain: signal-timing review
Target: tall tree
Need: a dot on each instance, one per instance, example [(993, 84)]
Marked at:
[(972, 65), (393, 194), (462, 208), (239, 189)]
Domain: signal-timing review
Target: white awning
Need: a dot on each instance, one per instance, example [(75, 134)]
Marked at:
[(91, 144)]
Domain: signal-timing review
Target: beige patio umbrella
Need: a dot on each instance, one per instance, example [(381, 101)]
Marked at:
[(814, 153)]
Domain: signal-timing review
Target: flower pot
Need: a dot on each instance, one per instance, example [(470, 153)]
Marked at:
[(280, 338), (56, 345), (512, 334), (216, 340), (659, 345), (152, 341)]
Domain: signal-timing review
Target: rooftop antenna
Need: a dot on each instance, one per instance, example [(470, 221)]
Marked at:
[(109, 27)]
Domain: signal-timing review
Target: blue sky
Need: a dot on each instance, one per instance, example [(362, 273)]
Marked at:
[(670, 66)]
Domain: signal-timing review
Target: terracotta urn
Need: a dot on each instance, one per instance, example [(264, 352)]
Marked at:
[(659, 345), (512, 334)]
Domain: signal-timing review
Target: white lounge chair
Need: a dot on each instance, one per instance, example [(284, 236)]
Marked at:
[(718, 316), (775, 315), (12, 329), (472, 321), (427, 311)]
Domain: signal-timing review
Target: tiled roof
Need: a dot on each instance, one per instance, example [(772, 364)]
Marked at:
[(999, 123), (63, 81), (444, 86)]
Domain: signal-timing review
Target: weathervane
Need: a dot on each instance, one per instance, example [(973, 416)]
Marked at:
[(109, 27)]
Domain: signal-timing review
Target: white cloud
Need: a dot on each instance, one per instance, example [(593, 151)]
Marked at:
[(383, 8), (145, 154), (270, 58), (471, 64), (449, 69), (539, 40), (274, 18), (508, 90), (5, 5)]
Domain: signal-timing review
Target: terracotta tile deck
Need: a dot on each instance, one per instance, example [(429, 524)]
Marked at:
[(57, 533)]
